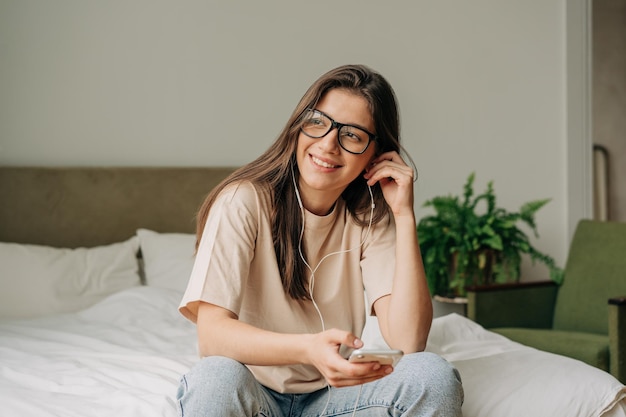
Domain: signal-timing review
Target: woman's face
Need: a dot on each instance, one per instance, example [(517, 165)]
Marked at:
[(326, 169)]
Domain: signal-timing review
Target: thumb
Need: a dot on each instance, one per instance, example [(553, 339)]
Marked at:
[(354, 342), (340, 337)]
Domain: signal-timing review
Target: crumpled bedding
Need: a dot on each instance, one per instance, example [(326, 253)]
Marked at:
[(505, 378), (124, 356), (502, 378)]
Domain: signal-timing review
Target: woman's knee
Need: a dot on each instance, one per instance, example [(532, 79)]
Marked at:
[(228, 374), (212, 383), (430, 367), (430, 377)]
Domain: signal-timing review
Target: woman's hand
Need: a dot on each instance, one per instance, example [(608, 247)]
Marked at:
[(338, 372), (220, 333), (396, 181)]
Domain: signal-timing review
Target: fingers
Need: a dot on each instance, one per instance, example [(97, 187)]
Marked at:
[(389, 156), (358, 373), (338, 371), (389, 167)]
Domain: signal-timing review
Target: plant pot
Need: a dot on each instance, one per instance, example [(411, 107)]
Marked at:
[(443, 306), (479, 269)]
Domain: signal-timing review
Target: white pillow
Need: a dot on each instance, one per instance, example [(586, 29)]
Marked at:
[(37, 280), (505, 378), (167, 258)]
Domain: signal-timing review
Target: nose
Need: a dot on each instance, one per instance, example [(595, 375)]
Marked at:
[(330, 142)]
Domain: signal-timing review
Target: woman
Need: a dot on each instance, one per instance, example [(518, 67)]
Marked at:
[(286, 246)]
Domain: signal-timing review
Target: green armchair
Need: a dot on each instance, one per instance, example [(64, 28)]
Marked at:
[(584, 318)]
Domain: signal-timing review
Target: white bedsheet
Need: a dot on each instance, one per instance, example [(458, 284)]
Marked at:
[(504, 378), (124, 356), (121, 357)]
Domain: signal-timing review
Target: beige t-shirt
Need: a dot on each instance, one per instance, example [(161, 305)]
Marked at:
[(235, 268)]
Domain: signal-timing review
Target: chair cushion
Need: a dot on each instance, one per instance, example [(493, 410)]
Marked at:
[(590, 348), (595, 271)]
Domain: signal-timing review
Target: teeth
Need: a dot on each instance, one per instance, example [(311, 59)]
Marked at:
[(322, 163)]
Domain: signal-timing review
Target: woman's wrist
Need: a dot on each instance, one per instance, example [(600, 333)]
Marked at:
[(405, 220)]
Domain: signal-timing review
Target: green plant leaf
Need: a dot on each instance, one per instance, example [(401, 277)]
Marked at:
[(494, 242), (469, 240)]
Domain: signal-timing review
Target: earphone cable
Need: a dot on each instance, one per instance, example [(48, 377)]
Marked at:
[(313, 270)]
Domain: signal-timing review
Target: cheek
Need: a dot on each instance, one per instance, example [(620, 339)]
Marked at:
[(300, 146), (360, 166), (370, 157), (303, 143)]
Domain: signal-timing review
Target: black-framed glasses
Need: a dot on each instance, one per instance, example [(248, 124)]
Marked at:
[(315, 124)]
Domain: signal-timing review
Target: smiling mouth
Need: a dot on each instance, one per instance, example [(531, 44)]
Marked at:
[(322, 163)]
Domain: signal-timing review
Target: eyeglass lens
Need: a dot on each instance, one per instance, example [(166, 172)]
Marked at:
[(317, 125)]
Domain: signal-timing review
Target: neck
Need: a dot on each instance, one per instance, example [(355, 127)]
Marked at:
[(320, 203)]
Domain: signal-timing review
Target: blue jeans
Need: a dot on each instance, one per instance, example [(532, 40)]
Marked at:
[(422, 384)]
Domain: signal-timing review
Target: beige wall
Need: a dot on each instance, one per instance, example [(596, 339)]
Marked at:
[(487, 86), (609, 96)]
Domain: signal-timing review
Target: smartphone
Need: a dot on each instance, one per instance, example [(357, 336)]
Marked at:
[(382, 356)]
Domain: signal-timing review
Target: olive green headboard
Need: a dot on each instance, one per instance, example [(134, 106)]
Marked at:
[(72, 207)]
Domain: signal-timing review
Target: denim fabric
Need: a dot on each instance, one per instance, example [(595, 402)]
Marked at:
[(422, 384)]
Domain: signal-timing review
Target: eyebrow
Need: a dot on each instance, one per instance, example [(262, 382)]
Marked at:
[(347, 124)]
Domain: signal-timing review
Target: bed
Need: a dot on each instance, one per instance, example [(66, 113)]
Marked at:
[(93, 263)]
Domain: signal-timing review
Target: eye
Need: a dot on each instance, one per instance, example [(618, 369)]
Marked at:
[(352, 134), (315, 124), (315, 118)]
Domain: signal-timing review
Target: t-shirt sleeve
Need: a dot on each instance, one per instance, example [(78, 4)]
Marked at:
[(378, 261), (226, 248)]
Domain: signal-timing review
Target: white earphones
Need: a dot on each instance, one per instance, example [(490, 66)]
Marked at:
[(313, 270)]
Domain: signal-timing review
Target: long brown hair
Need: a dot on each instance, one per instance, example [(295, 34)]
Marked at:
[(273, 169)]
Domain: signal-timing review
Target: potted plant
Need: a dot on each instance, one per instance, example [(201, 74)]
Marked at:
[(466, 243)]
